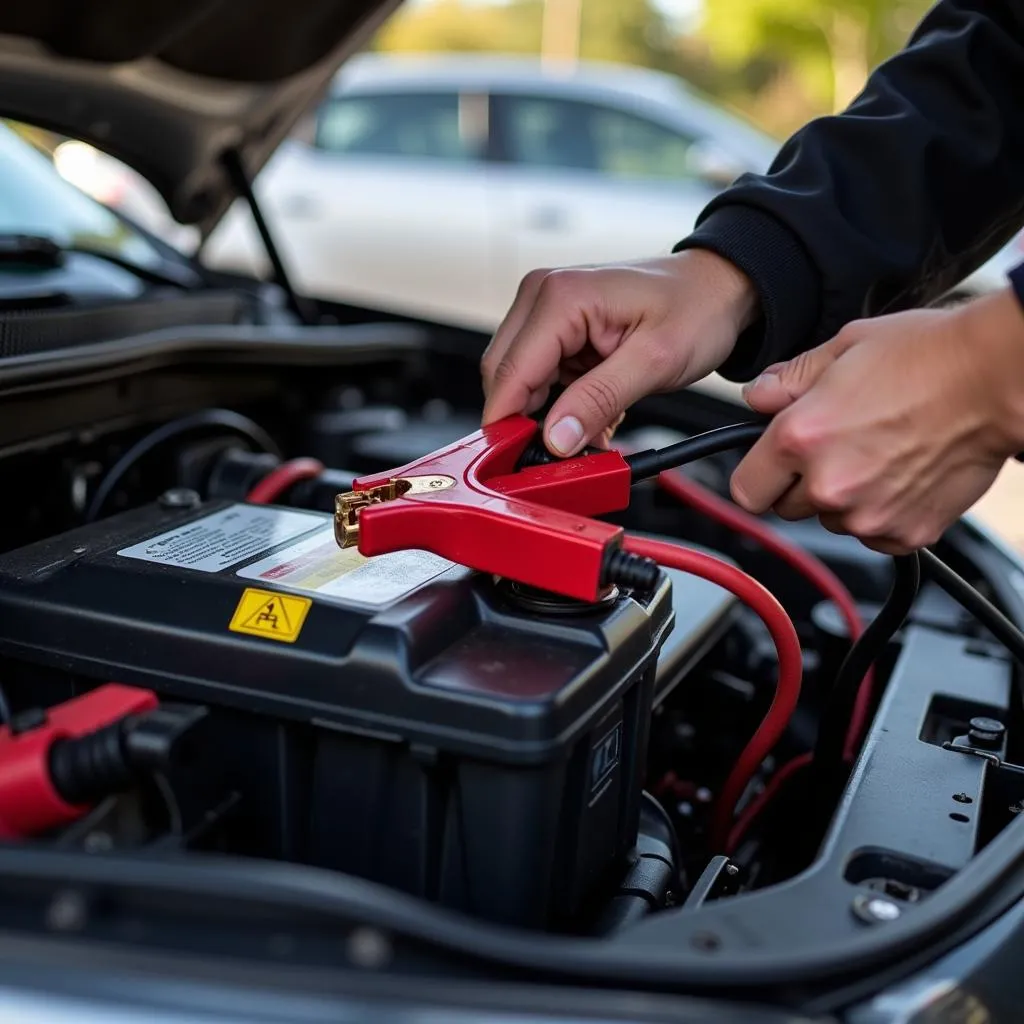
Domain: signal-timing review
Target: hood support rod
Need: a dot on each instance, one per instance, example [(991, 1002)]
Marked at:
[(242, 185)]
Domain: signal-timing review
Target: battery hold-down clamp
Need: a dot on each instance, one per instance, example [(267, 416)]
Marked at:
[(481, 503)]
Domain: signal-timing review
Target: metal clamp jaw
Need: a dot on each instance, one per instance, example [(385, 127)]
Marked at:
[(468, 503)]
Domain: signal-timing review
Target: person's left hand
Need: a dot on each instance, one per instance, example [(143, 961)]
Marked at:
[(895, 427)]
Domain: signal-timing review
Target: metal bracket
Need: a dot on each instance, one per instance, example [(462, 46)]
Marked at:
[(958, 748)]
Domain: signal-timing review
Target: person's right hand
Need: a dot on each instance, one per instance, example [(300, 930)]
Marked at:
[(613, 334)]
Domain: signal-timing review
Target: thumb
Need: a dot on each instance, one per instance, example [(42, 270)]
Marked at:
[(595, 402), (782, 384)]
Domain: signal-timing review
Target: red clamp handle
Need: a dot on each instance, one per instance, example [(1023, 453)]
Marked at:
[(467, 503), (29, 803)]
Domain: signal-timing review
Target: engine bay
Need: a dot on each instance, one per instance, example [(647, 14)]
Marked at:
[(192, 670)]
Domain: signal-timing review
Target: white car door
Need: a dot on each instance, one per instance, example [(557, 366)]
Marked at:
[(587, 183), (388, 208)]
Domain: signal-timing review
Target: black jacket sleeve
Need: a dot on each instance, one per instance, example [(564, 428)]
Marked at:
[(889, 204)]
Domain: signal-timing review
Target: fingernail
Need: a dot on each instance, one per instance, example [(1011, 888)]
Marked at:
[(565, 436), (764, 387), (758, 382)]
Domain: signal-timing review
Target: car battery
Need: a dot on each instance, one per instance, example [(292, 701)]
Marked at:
[(400, 718)]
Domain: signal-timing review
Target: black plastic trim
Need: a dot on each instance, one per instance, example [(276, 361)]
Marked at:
[(659, 957), (29, 332), (152, 983), (313, 346)]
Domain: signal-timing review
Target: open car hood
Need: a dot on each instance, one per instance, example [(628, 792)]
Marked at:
[(170, 86)]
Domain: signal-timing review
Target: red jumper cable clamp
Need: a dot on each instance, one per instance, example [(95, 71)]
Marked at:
[(471, 503), (32, 797)]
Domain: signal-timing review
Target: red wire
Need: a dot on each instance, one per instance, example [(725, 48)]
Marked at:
[(814, 570), (787, 644), (280, 480), (819, 575), (764, 798)]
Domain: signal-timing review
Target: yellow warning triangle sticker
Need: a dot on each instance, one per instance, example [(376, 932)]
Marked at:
[(271, 615)]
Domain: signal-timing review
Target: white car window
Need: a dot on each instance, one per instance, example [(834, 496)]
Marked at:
[(409, 125), (543, 132)]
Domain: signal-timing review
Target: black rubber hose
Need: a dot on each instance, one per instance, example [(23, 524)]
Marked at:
[(829, 769), (645, 465), (88, 768), (671, 835), (982, 609), (208, 420)]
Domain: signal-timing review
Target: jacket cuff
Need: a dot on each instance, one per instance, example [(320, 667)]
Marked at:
[(786, 280), (1016, 278)]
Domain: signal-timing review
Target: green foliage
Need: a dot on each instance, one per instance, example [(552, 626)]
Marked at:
[(830, 44), (628, 31), (458, 26), (781, 61)]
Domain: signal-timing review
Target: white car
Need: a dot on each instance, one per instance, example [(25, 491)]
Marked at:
[(432, 185)]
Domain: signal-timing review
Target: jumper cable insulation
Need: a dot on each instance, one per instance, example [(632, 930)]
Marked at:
[(707, 503), (787, 645), (280, 480)]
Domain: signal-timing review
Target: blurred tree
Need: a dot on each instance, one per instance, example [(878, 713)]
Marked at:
[(627, 31), (460, 26), (831, 45), (781, 62)]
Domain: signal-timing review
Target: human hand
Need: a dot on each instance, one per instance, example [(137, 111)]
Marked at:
[(895, 427), (612, 334)]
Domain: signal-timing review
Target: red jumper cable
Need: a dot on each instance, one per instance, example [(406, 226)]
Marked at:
[(471, 503), (787, 645), (280, 480), (705, 501)]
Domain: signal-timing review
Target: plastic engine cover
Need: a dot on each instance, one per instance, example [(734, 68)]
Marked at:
[(399, 718)]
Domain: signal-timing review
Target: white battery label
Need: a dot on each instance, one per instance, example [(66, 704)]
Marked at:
[(316, 565), (225, 538)]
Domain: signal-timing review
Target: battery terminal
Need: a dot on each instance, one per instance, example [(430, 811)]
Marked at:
[(347, 507)]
